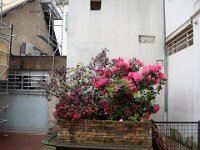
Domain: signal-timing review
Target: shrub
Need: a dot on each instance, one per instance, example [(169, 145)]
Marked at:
[(108, 90)]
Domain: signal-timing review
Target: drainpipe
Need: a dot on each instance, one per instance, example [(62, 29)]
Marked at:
[(165, 66)]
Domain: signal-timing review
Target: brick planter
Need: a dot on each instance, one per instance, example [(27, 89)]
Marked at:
[(105, 133)]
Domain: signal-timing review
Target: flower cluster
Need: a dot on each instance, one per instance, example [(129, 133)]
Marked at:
[(114, 90), (128, 89), (75, 105)]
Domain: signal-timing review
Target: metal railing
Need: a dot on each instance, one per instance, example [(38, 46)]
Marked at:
[(176, 135), (181, 41), (24, 84)]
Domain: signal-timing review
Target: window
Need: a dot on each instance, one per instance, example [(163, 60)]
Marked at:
[(181, 40), (146, 39), (25, 82), (95, 4)]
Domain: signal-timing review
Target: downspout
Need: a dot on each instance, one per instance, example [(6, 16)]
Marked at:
[(165, 66)]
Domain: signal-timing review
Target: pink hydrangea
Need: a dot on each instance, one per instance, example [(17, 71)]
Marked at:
[(135, 75)]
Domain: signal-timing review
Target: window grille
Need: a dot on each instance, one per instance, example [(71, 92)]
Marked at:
[(20, 83), (180, 41)]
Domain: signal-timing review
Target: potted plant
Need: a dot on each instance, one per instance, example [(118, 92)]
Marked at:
[(106, 102)]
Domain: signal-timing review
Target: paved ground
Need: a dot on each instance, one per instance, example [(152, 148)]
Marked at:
[(16, 141)]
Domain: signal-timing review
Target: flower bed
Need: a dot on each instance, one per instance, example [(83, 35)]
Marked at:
[(123, 92)]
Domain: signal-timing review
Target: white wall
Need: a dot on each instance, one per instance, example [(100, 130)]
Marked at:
[(178, 12), (116, 27), (184, 82)]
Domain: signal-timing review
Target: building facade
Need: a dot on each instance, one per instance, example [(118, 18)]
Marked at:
[(32, 52), (183, 38)]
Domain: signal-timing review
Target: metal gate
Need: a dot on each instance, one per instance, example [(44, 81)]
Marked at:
[(176, 135)]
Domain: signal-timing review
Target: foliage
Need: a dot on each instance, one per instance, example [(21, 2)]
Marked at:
[(107, 89)]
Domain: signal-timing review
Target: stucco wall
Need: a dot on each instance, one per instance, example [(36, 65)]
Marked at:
[(28, 22), (116, 26), (184, 83)]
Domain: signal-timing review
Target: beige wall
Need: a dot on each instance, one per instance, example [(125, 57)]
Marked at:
[(28, 22)]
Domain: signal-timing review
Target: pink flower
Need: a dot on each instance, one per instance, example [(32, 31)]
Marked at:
[(149, 78), (151, 68), (127, 79), (135, 75), (156, 81), (99, 82), (115, 69), (162, 76), (116, 88), (145, 70), (76, 116), (107, 73), (133, 88), (106, 110), (139, 63), (156, 108), (120, 64), (103, 92), (99, 72)]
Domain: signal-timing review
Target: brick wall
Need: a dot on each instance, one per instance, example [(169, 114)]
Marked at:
[(104, 132)]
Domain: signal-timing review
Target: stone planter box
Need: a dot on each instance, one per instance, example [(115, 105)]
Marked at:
[(101, 133)]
